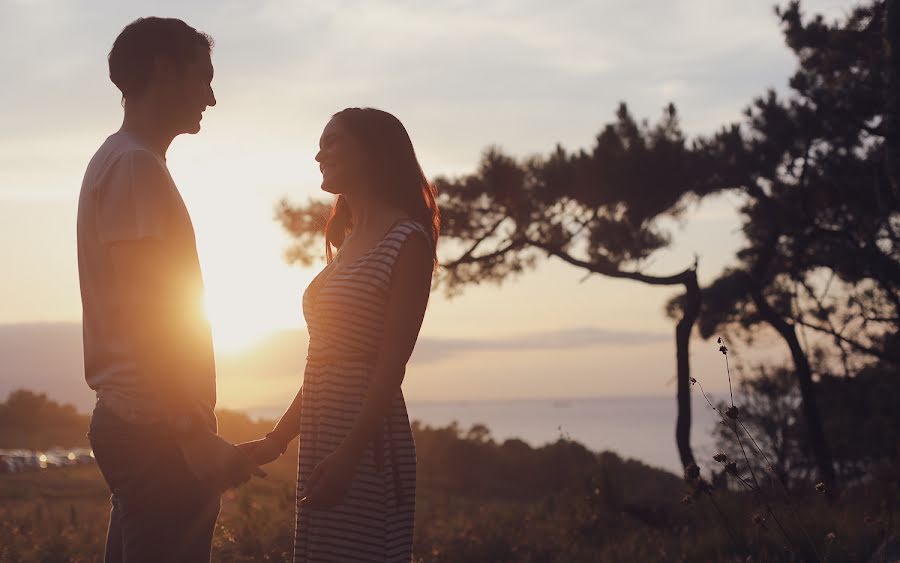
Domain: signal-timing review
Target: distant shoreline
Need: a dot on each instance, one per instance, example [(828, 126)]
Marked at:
[(634, 426), (499, 401)]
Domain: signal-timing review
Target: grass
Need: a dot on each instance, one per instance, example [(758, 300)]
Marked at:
[(603, 514), (482, 501)]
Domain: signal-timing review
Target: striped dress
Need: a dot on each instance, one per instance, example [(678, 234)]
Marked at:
[(345, 313)]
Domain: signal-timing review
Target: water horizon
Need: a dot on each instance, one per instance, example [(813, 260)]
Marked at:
[(639, 427)]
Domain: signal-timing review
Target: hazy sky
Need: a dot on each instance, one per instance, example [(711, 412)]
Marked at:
[(461, 75)]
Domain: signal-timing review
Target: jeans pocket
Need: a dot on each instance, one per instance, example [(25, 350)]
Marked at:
[(115, 444)]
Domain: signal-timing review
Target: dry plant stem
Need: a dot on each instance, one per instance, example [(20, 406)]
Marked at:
[(728, 371), (734, 428), (750, 466), (787, 496), (728, 527), (734, 424), (756, 489), (769, 508)]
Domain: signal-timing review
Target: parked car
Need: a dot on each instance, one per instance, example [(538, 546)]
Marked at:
[(17, 461)]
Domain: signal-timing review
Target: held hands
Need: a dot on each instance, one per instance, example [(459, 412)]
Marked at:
[(215, 462), (330, 480), (262, 451)]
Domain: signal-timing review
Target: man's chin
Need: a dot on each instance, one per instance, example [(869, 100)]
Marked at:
[(191, 127), (327, 187)]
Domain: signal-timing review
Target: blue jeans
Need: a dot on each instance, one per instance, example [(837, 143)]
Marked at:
[(160, 511)]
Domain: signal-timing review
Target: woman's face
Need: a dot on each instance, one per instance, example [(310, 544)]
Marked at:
[(341, 159)]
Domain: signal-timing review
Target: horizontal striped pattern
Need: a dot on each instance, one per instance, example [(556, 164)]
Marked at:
[(345, 311)]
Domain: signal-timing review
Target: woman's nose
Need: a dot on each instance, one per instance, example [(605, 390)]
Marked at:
[(319, 156)]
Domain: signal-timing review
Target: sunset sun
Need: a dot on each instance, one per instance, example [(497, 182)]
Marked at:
[(238, 326)]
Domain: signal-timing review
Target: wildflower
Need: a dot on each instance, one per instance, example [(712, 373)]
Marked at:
[(731, 412), (721, 458), (687, 500), (820, 487), (693, 381), (691, 472), (731, 467), (830, 537), (723, 349)]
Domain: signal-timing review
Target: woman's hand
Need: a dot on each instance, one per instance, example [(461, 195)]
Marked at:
[(330, 480), (262, 451)]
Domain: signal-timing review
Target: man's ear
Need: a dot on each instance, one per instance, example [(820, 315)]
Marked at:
[(163, 71)]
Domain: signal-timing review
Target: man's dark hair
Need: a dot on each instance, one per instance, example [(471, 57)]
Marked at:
[(134, 51)]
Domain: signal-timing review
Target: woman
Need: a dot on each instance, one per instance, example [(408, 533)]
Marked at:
[(357, 464)]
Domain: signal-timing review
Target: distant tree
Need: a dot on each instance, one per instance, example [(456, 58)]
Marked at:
[(821, 218), (864, 420), (770, 410), (478, 433), (30, 420), (863, 424), (817, 169), (892, 93)]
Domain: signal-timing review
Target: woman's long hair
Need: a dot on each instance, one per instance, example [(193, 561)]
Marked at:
[(394, 172)]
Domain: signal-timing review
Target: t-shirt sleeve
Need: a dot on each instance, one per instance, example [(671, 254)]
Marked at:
[(133, 199)]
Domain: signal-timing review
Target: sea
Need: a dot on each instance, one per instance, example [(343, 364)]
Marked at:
[(641, 428)]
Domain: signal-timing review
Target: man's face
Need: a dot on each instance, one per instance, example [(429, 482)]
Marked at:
[(187, 92)]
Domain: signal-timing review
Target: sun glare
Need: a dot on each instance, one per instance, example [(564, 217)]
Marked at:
[(236, 329), (243, 317), (250, 292)]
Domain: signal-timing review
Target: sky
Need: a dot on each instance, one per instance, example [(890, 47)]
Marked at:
[(462, 76)]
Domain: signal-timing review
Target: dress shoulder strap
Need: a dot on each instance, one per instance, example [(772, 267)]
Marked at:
[(393, 242)]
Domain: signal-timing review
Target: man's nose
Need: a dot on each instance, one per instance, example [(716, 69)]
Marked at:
[(319, 156), (212, 99)]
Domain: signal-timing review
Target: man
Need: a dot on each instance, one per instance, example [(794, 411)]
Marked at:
[(147, 346)]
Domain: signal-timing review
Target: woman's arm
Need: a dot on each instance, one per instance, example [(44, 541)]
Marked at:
[(410, 287), (268, 449), (288, 425)]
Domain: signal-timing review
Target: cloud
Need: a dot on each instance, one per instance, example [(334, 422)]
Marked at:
[(48, 357), (437, 349)]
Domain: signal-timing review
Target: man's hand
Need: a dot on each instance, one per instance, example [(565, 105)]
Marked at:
[(262, 451), (215, 462)]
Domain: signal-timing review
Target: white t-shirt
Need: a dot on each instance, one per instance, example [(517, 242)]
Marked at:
[(128, 195)]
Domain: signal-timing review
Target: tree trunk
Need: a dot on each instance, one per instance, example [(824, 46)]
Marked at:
[(683, 329), (817, 442), (682, 357)]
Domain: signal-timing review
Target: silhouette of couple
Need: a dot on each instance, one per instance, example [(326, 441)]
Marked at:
[(148, 350)]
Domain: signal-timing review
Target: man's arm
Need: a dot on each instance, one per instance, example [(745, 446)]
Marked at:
[(160, 320), (158, 294), (158, 308)]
